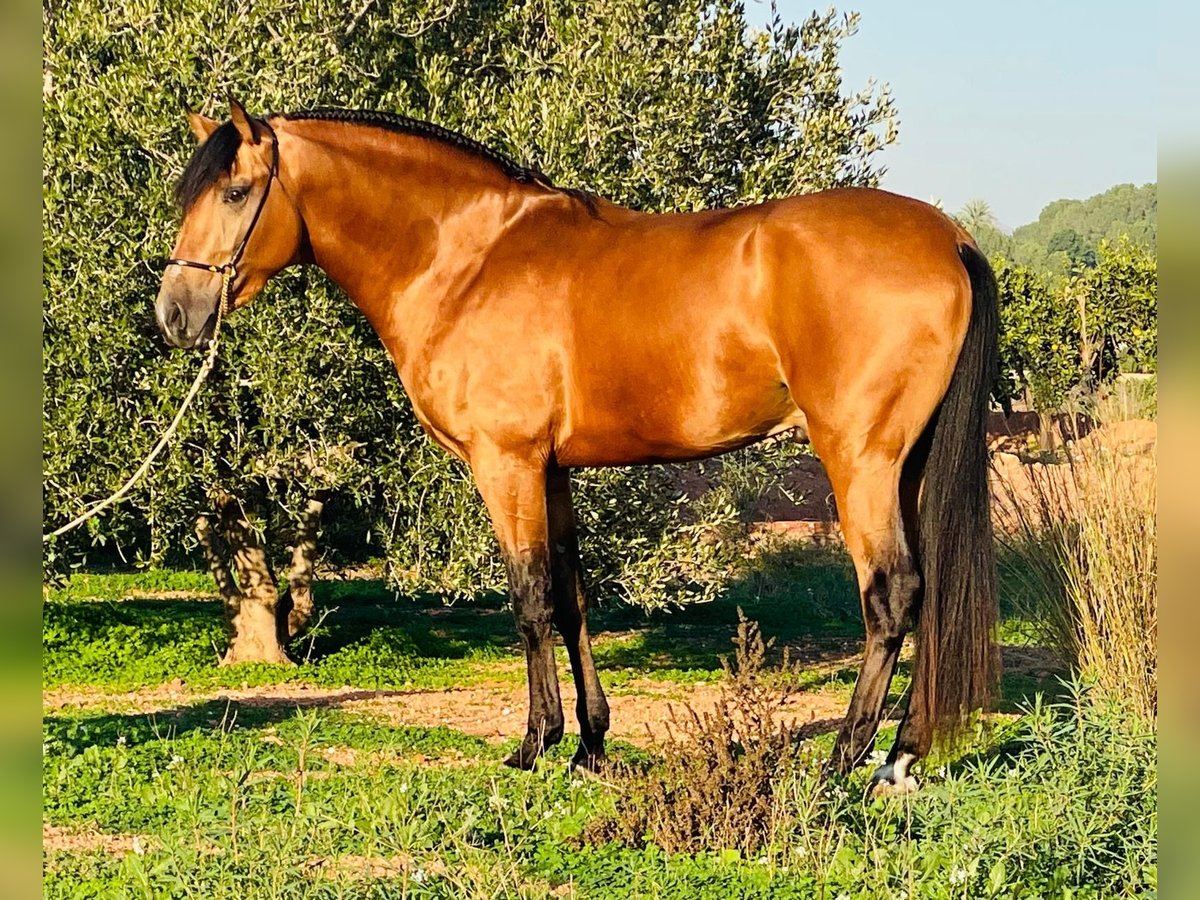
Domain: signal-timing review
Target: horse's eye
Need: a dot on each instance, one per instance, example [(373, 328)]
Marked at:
[(236, 194)]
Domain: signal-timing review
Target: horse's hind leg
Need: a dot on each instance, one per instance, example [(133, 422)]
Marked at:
[(570, 618), (514, 489), (866, 485), (913, 736)]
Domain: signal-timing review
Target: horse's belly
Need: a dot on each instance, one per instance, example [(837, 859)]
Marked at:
[(656, 428)]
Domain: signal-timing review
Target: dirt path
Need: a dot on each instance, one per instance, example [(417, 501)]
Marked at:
[(497, 712), (56, 839), (493, 711), (641, 710)]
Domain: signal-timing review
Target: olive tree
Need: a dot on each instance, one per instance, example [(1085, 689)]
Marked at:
[(658, 105)]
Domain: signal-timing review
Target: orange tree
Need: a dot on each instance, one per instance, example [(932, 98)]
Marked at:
[(1064, 337)]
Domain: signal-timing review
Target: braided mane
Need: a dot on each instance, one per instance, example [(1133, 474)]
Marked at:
[(215, 156)]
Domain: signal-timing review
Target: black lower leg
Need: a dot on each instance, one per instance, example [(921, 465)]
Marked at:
[(529, 579), (856, 739), (591, 707), (570, 618), (914, 736), (887, 601)]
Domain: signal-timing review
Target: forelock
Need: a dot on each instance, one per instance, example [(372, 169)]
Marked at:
[(211, 160)]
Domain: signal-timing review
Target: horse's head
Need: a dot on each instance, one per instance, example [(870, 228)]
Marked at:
[(239, 226)]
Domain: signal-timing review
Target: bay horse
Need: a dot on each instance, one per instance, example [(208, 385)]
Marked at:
[(538, 329)]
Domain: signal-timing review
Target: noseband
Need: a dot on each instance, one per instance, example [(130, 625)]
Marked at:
[(228, 272)]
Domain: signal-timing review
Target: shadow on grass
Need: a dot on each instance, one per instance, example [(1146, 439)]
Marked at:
[(365, 634), (243, 719), (802, 597)]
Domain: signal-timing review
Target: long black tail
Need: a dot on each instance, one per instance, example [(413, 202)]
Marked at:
[(957, 659)]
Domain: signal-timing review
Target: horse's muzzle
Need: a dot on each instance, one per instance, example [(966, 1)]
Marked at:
[(184, 323)]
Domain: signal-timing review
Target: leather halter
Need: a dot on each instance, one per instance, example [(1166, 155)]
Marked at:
[(228, 271)]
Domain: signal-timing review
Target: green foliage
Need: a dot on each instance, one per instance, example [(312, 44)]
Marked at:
[(1075, 336), (1039, 337), (1068, 233), (1122, 309), (660, 105)]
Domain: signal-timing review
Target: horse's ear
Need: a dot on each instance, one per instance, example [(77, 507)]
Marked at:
[(245, 125), (202, 126)]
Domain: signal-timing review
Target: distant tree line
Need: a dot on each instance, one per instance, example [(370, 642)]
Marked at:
[(1078, 293), (1067, 235)]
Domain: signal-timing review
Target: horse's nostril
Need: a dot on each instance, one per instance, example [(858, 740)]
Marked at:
[(176, 318)]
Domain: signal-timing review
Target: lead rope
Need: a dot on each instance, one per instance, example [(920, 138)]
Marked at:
[(228, 273)]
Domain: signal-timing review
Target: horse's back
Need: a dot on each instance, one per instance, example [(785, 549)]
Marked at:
[(691, 334)]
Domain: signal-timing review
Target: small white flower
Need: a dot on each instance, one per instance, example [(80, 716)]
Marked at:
[(958, 875), (404, 787), (176, 760), (137, 846), (418, 875), (547, 814), (121, 741)]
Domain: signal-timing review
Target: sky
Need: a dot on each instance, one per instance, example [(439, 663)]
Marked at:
[(1017, 103)]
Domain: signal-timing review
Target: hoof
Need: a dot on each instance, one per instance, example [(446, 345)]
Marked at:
[(906, 785), (588, 764), (523, 758), (891, 780)]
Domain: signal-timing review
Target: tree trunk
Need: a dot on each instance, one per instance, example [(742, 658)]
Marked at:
[(298, 604), (1047, 433), (240, 565)]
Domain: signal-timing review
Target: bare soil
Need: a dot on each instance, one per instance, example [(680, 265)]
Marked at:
[(493, 711), (497, 712), (56, 839), (642, 711), (1016, 458)]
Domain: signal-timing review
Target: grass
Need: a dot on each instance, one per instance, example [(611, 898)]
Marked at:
[(116, 632), (230, 799), (1079, 542), (1061, 803)]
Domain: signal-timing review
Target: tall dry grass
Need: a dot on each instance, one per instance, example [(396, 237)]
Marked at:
[(1079, 544)]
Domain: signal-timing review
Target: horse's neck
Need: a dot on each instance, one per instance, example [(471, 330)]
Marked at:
[(394, 218)]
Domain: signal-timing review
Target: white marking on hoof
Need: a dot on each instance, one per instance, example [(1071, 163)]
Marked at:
[(892, 779)]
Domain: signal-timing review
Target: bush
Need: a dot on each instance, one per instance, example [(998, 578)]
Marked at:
[(1062, 339), (716, 785), (1062, 802)]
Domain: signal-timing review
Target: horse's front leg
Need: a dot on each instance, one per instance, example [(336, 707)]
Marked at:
[(514, 489), (570, 617)]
